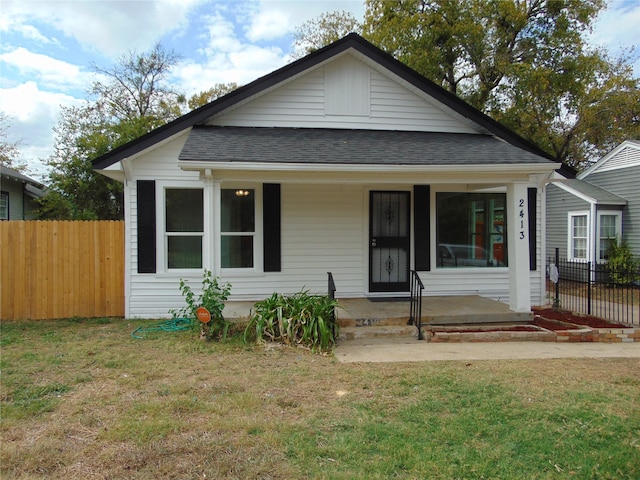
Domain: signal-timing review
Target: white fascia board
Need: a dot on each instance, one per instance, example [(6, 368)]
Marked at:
[(114, 171), (501, 169)]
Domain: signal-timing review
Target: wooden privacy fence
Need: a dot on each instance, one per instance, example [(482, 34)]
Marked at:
[(60, 269)]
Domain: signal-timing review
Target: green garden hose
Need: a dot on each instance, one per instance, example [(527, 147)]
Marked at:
[(173, 325)]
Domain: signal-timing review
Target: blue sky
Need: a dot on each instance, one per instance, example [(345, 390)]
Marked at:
[(47, 48)]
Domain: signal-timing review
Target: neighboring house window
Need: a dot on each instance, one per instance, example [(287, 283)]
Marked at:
[(578, 236), (4, 206), (184, 227), (608, 233), (471, 229), (238, 228)]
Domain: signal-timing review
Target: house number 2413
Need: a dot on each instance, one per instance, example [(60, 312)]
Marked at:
[(521, 215)]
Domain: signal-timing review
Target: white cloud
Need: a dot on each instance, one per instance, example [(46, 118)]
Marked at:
[(277, 18), (48, 71), (33, 113), (32, 33), (617, 29), (110, 27), (241, 66), (267, 25), (227, 58)]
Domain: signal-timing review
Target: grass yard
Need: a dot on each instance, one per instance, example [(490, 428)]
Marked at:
[(82, 399)]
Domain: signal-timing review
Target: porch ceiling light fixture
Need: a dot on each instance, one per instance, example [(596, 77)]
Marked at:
[(242, 193)]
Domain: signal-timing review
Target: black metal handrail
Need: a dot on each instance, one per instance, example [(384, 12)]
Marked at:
[(332, 286), (415, 314), (332, 295)]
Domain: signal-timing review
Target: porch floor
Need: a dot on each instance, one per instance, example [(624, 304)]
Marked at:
[(439, 310), (436, 310)]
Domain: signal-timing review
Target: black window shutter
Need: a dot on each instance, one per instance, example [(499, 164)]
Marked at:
[(532, 197), (146, 226), (421, 227), (272, 227)]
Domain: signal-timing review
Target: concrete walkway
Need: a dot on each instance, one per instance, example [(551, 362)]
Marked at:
[(408, 350)]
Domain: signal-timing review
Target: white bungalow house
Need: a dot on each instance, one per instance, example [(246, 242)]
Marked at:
[(345, 161)]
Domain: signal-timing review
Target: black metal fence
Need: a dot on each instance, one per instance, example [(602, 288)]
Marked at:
[(594, 289)]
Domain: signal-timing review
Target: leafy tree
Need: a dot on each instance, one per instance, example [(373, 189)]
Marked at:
[(133, 101), (206, 96), (136, 87), (577, 109), (525, 63), (322, 31)]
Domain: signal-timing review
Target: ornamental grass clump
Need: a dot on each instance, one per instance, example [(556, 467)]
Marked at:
[(214, 294), (301, 319)]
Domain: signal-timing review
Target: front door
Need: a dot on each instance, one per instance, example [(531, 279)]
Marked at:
[(389, 241)]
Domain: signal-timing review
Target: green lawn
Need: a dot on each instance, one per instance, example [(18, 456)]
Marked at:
[(83, 399)]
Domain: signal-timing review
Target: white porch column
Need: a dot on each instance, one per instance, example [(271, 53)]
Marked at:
[(212, 222), (216, 216), (518, 248)]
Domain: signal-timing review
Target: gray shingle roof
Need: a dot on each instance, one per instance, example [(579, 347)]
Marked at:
[(600, 195), (19, 177), (357, 147)]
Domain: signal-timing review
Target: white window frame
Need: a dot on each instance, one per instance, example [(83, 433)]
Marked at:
[(258, 253), (162, 242), (618, 226), (570, 237)]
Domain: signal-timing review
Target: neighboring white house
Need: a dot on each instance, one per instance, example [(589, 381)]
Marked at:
[(601, 205), (345, 161)]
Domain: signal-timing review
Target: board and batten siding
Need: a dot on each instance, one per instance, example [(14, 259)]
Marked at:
[(624, 182), (559, 204), (301, 104)]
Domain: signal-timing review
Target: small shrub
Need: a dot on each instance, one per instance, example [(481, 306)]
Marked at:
[(622, 265), (300, 319), (214, 294)]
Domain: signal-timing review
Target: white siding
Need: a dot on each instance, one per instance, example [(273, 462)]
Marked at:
[(302, 103), (161, 163), (322, 231), (491, 283)]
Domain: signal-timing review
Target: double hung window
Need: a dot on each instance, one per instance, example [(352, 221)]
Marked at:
[(184, 227), (608, 233), (238, 228), (579, 236)]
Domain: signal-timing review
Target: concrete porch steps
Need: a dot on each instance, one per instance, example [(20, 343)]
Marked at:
[(361, 318), (361, 328)]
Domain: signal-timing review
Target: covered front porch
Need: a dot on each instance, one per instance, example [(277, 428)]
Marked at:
[(389, 317)]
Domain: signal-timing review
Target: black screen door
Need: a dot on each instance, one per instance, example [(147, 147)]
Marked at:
[(389, 241)]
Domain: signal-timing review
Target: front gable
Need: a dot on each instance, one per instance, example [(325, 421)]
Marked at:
[(350, 84), (347, 92)]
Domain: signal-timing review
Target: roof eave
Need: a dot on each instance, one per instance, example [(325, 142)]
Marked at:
[(529, 168)]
